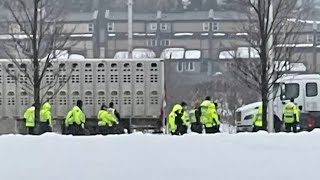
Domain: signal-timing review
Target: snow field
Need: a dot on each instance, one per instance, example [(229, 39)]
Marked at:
[(243, 156)]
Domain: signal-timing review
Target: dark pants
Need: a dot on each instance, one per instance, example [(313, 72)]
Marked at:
[(291, 127), (44, 127), (31, 131), (196, 127), (212, 130), (104, 130), (257, 128), (75, 130), (181, 130)]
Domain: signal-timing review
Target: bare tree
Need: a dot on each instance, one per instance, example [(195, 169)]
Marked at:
[(269, 35), (34, 45)]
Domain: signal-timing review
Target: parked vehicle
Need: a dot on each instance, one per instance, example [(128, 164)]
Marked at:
[(303, 88)]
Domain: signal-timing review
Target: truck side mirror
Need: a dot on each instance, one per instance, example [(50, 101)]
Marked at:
[(283, 91)]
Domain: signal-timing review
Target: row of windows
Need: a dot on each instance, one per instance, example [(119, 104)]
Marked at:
[(185, 66), (163, 26), (292, 90), (88, 66), (154, 43)]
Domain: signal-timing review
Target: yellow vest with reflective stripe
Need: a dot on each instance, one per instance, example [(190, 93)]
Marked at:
[(257, 117), (29, 115)]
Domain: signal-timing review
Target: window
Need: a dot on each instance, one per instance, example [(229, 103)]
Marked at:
[(88, 99), (127, 78), (312, 89), (153, 26), (114, 97), (154, 100), (11, 98), (165, 42), (101, 67), (164, 26), (215, 26), (114, 78), (75, 78), (49, 78), (88, 78), (190, 66), (101, 78), (14, 29), (75, 97), (179, 66), (110, 26), (291, 91), (205, 26), (90, 27), (101, 98), (140, 98), (62, 98), (10, 80), (24, 99), (127, 98), (310, 38), (88, 67), (153, 78), (139, 78), (151, 42), (62, 78), (249, 117), (23, 79)]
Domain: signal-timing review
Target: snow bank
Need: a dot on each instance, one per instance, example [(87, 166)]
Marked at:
[(159, 157)]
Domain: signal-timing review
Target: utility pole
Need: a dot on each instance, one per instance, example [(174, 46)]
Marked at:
[(314, 48), (130, 17), (271, 69)]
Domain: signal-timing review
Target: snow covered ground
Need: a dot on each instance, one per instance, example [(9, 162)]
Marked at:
[(138, 156)]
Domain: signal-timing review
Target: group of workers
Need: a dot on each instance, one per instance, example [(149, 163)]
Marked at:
[(290, 117), (107, 120), (203, 115)]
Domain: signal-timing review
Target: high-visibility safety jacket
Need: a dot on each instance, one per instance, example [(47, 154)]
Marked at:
[(257, 117), (192, 116), (172, 117), (209, 115), (290, 113), (75, 115), (45, 113), (29, 115), (112, 112), (104, 118)]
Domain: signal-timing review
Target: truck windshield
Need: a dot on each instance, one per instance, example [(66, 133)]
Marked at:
[(291, 91)]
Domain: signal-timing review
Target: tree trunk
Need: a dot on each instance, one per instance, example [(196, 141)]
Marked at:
[(36, 64), (264, 83)]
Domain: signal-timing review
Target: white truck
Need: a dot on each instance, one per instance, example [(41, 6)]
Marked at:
[(303, 88)]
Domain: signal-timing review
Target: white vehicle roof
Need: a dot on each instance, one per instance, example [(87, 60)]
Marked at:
[(290, 77), (249, 106)]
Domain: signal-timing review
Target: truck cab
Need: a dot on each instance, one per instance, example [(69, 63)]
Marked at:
[(303, 88)]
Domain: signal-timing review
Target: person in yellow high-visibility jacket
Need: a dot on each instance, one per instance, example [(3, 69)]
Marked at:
[(29, 116), (209, 116), (105, 121), (45, 118), (290, 116), (75, 120), (178, 119), (257, 120)]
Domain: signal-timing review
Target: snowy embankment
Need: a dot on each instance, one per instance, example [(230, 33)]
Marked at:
[(138, 156)]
